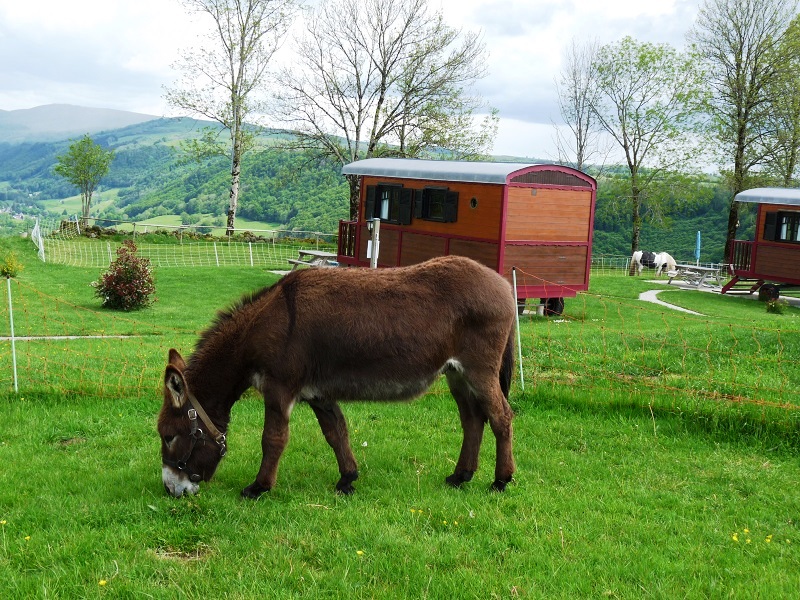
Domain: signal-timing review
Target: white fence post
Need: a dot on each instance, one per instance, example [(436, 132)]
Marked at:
[(519, 337), (13, 339)]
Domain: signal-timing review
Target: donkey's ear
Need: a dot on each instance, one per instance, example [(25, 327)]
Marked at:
[(176, 360), (175, 386)]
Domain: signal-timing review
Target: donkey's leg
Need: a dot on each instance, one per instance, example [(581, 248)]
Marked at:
[(500, 416), (494, 404), (472, 423), (334, 428), (273, 441)]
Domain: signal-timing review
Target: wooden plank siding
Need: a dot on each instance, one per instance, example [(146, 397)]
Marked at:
[(481, 222), (543, 265), (548, 214), (418, 248), (482, 252), (779, 261)]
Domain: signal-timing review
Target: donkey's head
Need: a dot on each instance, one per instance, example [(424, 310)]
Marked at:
[(191, 445)]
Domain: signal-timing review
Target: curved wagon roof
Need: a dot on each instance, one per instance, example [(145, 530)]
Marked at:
[(452, 170), (770, 196)]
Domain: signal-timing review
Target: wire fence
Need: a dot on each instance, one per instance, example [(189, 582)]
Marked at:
[(70, 242)]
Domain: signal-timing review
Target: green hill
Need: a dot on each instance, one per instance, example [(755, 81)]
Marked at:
[(150, 178)]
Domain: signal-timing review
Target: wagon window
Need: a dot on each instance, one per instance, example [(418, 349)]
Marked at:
[(437, 204), (389, 203), (786, 227)]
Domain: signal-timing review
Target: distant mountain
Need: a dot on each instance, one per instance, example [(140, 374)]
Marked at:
[(54, 122)]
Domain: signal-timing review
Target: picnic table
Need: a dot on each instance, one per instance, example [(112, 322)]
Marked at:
[(314, 258), (697, 275)]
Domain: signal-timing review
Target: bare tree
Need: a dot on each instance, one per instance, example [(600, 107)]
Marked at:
[(222, 80), (740, 43), (385, 78), (577, 92), (648, 102)]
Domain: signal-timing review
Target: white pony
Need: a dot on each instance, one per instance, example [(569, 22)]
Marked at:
[(661, 262)]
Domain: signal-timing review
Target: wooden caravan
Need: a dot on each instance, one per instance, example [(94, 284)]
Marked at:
[(774, 255), (535, 218)]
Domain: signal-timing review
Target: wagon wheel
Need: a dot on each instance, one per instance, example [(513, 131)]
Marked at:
[(553, 306)]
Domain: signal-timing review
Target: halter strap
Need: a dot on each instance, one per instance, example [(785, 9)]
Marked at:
[(216, 434)]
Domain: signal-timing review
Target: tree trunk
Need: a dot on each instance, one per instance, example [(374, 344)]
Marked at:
[(236, 170), (733, 223), (86, 204), (355, 189), (636, 218)]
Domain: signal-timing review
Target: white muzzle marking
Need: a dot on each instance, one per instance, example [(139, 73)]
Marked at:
[(177, 483)]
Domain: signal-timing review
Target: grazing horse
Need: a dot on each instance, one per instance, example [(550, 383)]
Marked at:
[(322, 335), (661, 262)]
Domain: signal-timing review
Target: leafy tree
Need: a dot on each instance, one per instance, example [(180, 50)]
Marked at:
[(384, 78), (84, 165), (648, 100), (221, 80), (783, 116), (741, 45)]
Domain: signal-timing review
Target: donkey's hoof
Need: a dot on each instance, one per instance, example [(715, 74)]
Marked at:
[(499, 485), (459, 477), (345, 485), (253, 491), (345, 489)]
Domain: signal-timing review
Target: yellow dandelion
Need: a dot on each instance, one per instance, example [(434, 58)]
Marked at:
[(768, 539), (735, 537), (748, 541), (3, 522), (746, 530), (360, 552), (102, 582), (27, 538)]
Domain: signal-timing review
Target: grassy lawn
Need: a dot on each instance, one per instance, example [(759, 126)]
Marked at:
[(654, 460)]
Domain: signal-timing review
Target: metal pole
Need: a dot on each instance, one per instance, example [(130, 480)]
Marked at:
[(375, 242), (519, 337), (13, 339)]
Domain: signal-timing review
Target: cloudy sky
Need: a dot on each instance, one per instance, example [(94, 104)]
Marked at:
[(117, 53)]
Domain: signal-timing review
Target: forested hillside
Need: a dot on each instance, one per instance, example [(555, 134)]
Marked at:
[(151, 177)]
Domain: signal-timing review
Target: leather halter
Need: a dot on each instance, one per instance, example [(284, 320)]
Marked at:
[(197, 434)]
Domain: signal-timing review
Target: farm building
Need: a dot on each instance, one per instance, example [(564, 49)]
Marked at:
[(535, 218), (774, 255)]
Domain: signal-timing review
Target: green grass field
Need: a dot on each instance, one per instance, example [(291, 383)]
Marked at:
[(108, 198), (657, 456)]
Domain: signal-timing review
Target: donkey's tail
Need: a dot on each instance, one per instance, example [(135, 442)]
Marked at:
[(507, 366)]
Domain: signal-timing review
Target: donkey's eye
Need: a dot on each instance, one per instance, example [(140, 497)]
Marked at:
[(168, 439)]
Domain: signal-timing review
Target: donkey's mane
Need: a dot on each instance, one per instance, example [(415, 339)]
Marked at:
[(224, 317)]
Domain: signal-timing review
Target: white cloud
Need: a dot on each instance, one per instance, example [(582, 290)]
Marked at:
[(118, 53)]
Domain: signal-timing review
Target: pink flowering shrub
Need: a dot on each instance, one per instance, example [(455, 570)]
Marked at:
[(128, 283)]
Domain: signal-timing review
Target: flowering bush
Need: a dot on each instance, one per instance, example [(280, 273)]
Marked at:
[(128, 283), (10, 265)]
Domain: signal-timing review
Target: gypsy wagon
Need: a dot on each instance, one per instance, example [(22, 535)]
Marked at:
[(534, 218), (774, 255)]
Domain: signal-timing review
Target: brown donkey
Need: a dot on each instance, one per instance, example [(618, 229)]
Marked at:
[(322, 335)]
